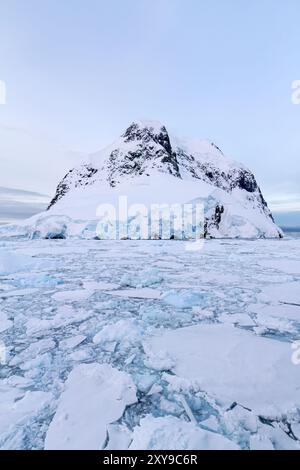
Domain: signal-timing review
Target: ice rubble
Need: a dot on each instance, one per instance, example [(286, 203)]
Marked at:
[(125, 331), (172, 433), (145, 278), (171, 323), (94, 396), (5, 323), (73, 295), (17, 415), (64, 316), (12, 263), (183, 299), (235, 365), (141, 293)]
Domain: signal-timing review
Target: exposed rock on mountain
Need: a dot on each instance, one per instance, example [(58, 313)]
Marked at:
[(150, 166)]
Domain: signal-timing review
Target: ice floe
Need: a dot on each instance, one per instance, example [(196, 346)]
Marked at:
[(172, 433), (234, 366), (94, 396)]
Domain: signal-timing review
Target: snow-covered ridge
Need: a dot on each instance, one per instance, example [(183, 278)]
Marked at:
[(148, 165)]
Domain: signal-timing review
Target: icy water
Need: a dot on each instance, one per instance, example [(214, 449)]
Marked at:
[(197, 349), (291, 232)]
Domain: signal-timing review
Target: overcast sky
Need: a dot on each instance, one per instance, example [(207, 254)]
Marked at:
[(78, 72)]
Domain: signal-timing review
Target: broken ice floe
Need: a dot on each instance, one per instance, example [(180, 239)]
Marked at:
[(94, 396)]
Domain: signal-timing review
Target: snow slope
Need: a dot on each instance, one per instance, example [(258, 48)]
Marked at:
[(149, 166)]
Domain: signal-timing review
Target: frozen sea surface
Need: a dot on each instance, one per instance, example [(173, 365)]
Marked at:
[(142, 344)]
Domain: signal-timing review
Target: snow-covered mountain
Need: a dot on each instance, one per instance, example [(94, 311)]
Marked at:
[(148, 165)]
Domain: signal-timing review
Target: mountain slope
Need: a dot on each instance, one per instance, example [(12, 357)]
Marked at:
[(149, 166)]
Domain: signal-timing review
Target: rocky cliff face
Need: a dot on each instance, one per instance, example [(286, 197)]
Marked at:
[(146, 150)]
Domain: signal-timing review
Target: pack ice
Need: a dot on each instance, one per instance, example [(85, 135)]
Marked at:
[(130, 344)]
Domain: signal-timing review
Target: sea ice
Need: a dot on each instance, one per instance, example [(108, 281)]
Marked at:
[(12, 263), (94, 396), (183, 299), (145, 278), (17, 414), (142, 293), (172, 433), (125, 332), (175, 324), (234, 366), (5, 323), (72, 295), (72, 342)]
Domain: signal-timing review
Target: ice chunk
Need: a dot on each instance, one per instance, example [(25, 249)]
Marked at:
[(95, 395), (123, 331), (5, 323), (258, 442), (18, 293), (170, 432), (236, 318), (288, 293), (145, 278), (211, 423), (72, 295), (240, 418), (99, 285), (158, 359), (37, 280), (234, 365), (12, 263), (18, 413), (154, 315), (290, 266), (281, 325), (290, 312), (296, 430), (203, 314), (66, 315), (183, 299), (18, 381), (80, 355), (144, 382), (33, 351), (155, 389), (119, 437), (72, 342), (142, 293), (50, 227)]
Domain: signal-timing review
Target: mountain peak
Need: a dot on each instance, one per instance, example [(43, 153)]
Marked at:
[(146, 154), (147, 132), (152, 125)]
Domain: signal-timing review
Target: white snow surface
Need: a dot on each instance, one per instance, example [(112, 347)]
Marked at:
[(136, 344)]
